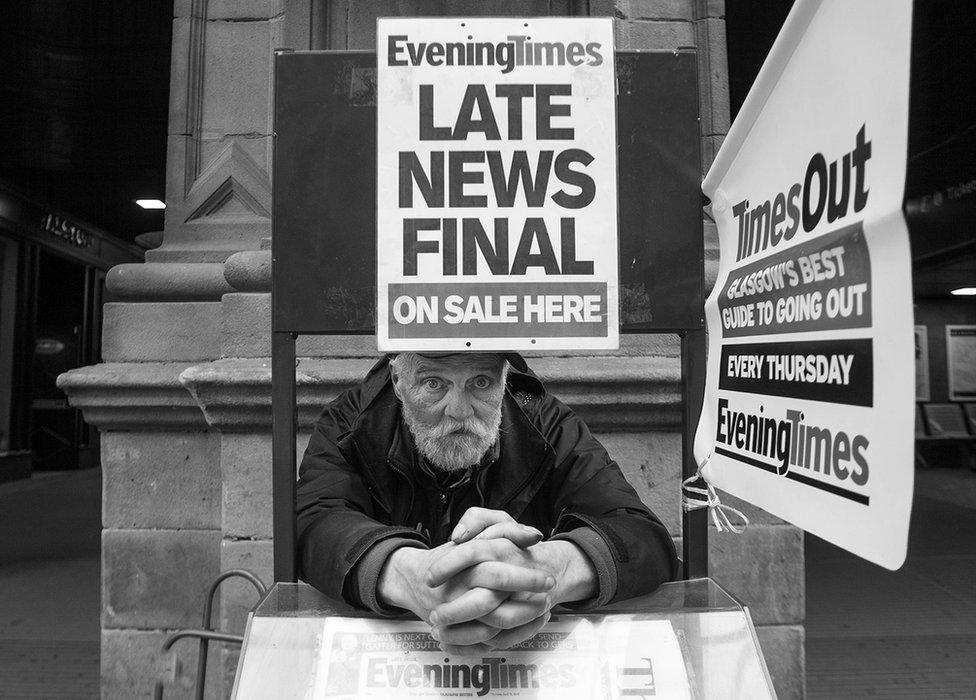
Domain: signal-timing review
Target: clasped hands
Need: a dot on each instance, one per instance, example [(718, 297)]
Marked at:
[(491, 586)]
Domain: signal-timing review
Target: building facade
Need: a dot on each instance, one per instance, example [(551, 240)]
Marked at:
[(182, 395)]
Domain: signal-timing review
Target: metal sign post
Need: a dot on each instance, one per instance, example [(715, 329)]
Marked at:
[(694, 524), (284, 423)]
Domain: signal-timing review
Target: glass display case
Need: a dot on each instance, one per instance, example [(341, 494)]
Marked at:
[(688, 639)]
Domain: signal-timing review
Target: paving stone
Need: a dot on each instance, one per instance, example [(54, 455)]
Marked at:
[(906, 666), (161, 480), (782, 647), (46, 668), (157, 579), (160, 331), (763, 568)]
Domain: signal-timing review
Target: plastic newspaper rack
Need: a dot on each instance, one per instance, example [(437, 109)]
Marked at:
[(689, 639)]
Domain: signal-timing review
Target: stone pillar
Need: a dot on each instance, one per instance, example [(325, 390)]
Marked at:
[(183, 395), (163, 536)]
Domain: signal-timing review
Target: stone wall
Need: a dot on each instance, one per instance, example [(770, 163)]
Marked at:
[(183, 395)]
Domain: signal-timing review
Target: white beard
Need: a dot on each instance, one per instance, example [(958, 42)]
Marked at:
[(448, 449)]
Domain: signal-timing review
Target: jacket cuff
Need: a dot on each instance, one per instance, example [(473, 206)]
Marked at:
[(361, 582), (598, 552)]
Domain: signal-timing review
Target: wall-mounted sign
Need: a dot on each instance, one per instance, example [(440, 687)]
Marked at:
[(809, 403), (61, 228), (496, 184), (961, 362)]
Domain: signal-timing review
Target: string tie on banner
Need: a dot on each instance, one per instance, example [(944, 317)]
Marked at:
[(695, 497)]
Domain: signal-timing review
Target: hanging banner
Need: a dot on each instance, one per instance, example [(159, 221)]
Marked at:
[(809, 401), (496, 184)]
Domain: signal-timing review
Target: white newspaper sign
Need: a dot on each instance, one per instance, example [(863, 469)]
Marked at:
[(496, 184), (570, 659), (809, 397)]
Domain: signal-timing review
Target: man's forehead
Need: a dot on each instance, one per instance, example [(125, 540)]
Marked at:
[(473, 361)]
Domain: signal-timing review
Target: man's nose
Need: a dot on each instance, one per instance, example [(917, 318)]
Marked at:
[(458, 405)]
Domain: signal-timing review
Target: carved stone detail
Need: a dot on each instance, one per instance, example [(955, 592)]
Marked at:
[(161, 282), (249, 271), (233, 189), (133, 396)]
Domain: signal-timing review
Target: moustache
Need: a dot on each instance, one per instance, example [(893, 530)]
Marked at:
[(453, 428)]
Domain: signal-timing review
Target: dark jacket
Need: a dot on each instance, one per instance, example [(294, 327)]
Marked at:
[(359, 485)]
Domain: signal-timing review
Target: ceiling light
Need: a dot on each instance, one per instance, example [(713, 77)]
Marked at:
[(151, 204), (964, 292)]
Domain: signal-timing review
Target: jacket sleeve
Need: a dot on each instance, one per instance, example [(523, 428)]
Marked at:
[(337, 519), (589, 490)]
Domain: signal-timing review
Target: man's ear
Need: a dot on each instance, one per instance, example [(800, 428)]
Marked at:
[(396, 383)]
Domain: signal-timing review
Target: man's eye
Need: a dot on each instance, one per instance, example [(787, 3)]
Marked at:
[(482, 382), (433, 384)]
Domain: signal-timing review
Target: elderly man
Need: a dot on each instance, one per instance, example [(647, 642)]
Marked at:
[(454, 487)]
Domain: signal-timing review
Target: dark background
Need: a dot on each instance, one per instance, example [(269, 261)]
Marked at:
[(84, 103)]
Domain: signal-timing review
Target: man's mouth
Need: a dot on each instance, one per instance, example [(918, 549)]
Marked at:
[(455, 431)]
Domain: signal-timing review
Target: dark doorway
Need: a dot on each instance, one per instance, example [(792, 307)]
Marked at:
[(51, 324), (61, 341)]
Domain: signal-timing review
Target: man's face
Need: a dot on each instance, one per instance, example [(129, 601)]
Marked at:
[(452, 406)]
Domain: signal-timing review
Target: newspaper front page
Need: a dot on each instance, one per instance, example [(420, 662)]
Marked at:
[(570, 659)]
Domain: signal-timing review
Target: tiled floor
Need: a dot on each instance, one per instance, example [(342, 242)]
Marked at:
[(871, 633), (911, 633), (50, 601)]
